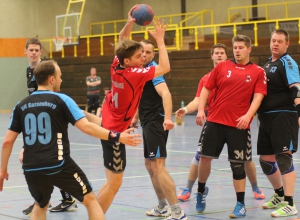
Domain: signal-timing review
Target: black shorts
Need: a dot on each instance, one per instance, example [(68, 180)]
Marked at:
[(278, 132), (214, 136), (197, 154), (155, 139), (114, 155), (71, 179)]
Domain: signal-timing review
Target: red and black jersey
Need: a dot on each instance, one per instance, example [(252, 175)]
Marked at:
[(234, 86), (122, 101), (202, 82)]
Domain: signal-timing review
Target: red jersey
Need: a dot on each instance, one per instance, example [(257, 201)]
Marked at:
[(202, 82), (122, 101), (234, 86)]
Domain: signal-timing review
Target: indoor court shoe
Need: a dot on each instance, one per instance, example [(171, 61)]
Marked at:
[(65, 206), (284, 209), (157, 212), (258, 194), (239, 211), (184, 194), (201, 200), (29, 209), (182, 216), (273, 202)]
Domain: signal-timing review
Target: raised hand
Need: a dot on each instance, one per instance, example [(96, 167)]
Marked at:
[(130, 19), (160, 29)]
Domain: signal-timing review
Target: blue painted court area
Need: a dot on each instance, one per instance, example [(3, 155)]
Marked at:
[(136, 194)]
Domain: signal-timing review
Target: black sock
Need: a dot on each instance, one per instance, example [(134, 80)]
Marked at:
[(240, 197), (280, 192), (66, 196), (289, 199), (201, 187)]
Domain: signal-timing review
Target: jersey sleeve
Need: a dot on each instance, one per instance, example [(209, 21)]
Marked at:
[(261, 84), (15, 121), (158, 80), (74, 113), (291, 70), (211, 81), (201, 84), (142, 75), (87, 79)]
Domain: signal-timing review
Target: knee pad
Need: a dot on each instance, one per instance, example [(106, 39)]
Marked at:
[(196, 158), (285, 163), (268, 167), (195, 161), (238, 171)]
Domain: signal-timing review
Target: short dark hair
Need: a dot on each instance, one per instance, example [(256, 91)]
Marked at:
[(218, 45), (43, 70), (33, 41), (281, 31), (242, 38), (126, 49), (148, 42)]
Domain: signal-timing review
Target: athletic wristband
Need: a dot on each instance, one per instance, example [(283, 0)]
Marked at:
[(113, 136), (185, 110), (298, 109)]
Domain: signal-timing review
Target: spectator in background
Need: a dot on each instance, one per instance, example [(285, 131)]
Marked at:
[(93, 90)]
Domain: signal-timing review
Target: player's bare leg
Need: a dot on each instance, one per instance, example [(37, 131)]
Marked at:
[(154, 180), (164, 185), (38, 213), (93, 208), (204, 169), (165, 182), (110, 188), (251, 174)]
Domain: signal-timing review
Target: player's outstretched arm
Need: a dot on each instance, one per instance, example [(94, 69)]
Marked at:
[(7, 146), (158, 34), (99, 132), (93, 118), (126, 30), (129, 139), (190, 108)]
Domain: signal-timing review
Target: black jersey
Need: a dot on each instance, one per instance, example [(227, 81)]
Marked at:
[(151, 105), (43, 118), (31, 83), (280, 74)]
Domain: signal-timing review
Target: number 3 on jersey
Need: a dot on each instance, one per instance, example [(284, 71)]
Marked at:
[(37, 128), (229, 73)]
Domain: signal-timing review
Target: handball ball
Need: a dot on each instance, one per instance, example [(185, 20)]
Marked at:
[(143, 14)]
